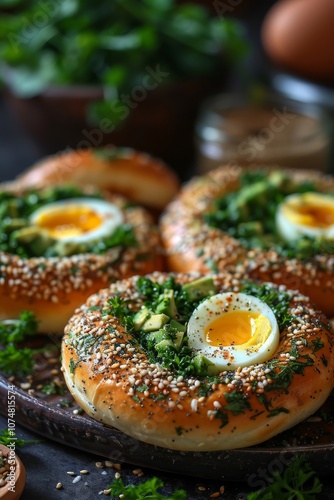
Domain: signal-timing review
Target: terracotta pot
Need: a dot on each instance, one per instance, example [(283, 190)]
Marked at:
[(14, 488), (159, 121)]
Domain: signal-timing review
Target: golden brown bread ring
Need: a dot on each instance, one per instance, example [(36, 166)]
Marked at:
[(103, 366), (53, 287), (137, 176), (191, 245)]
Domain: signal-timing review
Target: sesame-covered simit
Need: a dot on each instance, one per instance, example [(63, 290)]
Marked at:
[(267, 223), (127, 360), (59, 246)]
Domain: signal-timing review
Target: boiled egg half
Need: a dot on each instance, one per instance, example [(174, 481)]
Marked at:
[(306, 214), (78, 220), (232, 330)]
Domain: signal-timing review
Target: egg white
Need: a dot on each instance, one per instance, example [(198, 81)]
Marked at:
[(291, 224), (110, 214), (230, 357)]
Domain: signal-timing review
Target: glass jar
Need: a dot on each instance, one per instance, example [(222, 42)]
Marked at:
[(269, 129)]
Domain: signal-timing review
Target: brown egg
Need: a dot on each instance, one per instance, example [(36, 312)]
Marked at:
[(298, 35)]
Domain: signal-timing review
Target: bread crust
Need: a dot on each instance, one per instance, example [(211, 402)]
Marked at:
[(53, 287), (112, 379), (191, 245), (137, 176)]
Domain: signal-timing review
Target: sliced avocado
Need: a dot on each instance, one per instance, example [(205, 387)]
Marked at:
[(140, 317), (199, 288), (240, 204), (14, 224), (167, 305), (13, 207), (66, 248), (164, 344), (250, 228), (204, 366), (26, 235), (33, 238), (178, 340), (277, 178), (155, 322), (179, 327)]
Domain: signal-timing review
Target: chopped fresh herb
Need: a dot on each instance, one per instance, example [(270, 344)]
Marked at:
[(324, 360), (221, 415), (73, 365), (15, 360), (158, 397), (119, 308), (179, 431), (7, 437), (297, 482), (93, 308), (74, 270), (237, 402), (122, 236), (148, 490), (140, 388), (15, 330), (276, 411), (283, 375), (53, 388), (117, 46)]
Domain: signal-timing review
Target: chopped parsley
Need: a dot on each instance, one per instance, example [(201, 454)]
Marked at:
[(282, 378), (276, 300), (14, 359), (249, 213), (119, 308)]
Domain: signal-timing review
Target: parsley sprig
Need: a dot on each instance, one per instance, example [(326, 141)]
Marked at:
[(14, 359), (20, 237), (148, 490), (276, 300), (15, 330), (298, 482), (7, 437)]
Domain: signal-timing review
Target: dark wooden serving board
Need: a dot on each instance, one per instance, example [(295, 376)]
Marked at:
[(51, 416)]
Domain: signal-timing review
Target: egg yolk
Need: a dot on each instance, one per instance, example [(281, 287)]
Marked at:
[(69, 221), (238, 328), (311, 210)]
